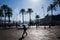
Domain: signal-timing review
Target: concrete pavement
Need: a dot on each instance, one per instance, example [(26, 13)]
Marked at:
[(33, 34)]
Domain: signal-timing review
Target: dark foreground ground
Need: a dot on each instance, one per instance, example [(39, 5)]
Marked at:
[(33, 34)]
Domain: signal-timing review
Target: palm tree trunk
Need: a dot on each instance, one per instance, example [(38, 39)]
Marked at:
[(9, 21), (0, 18), (1, 21), (51, 19), (52, 12), (30, 18), (23, 18), (5, 21)]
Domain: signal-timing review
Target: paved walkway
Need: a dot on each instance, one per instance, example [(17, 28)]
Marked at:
[(33, 34)]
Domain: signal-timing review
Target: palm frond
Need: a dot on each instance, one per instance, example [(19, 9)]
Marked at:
[(29, 10), (22, 10)]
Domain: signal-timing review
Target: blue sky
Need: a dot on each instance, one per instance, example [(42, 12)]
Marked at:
[(36, 6)]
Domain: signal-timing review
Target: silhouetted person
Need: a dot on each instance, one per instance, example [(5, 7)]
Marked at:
[(24, 32)]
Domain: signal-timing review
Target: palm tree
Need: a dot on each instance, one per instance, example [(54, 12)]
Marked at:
[(51, 7), (4, 8), (22, 11), (9, 13), (37, 20), (29, 11), (1, 13), (56, 2), (37, 16), (6, 11)]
